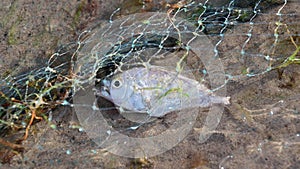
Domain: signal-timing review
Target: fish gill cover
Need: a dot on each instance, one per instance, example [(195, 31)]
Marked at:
[(211, 45)]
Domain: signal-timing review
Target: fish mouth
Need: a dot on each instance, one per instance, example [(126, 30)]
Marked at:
[(104, 89)]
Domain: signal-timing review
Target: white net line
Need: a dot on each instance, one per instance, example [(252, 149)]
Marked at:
[(47, 87)]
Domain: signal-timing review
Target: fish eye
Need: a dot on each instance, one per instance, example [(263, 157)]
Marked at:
[(117, 83)]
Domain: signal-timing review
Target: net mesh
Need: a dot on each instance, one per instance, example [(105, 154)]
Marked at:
[(256, 41)]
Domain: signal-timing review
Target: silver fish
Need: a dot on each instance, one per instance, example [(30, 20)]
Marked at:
[(156, 91)]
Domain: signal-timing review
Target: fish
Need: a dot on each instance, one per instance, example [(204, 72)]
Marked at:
[(156, 91)]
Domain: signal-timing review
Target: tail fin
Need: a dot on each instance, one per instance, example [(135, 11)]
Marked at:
[(226, 100), (218, 99)]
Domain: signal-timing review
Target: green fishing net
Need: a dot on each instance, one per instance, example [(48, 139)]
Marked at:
[(248, 51)]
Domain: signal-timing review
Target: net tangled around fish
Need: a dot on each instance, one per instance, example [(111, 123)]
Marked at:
[(214, 45)]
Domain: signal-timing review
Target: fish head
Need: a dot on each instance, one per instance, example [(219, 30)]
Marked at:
[(113, 89), (120, 91)]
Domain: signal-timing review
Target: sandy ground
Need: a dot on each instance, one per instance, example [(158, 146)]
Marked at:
[(260, 129)]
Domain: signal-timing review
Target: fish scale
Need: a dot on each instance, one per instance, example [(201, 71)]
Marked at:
[(157, 91)]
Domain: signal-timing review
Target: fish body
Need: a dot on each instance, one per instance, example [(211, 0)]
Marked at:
[(156, 91)]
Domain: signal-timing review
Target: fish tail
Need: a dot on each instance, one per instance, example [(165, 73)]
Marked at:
[(226, 100), (223, 100)]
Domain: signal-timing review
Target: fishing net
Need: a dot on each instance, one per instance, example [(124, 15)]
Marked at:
[(235, 45)]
